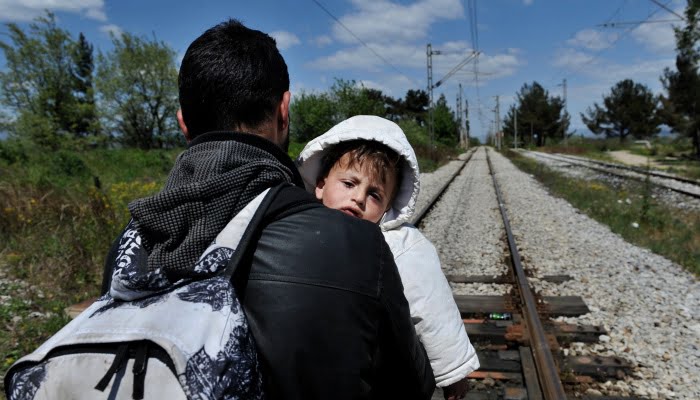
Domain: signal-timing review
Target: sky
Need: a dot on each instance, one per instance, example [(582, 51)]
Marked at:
[(381, 44)]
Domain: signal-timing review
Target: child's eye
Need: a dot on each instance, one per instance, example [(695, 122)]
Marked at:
[(376, 196), (348, 184)]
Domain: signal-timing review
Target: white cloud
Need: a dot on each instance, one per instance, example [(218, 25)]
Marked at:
[(25, 10), (498, 65), (647, 72), (592, 39), (115, 30), (382, 20), (360, 57), (409, 58), (574, 59), (321, 41), (490, 67), (285, 39), (657, 37), (528, 2), (604, 76), (393, 85), (96, 13)]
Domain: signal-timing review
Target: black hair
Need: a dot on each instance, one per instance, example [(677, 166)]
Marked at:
[(230, 76)]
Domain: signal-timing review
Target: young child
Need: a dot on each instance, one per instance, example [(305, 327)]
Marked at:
[(365, 167)]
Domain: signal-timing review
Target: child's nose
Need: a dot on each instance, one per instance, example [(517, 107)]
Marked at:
[(359, 197)]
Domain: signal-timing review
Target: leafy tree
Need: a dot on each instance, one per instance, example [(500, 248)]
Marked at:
[(417, 135), (352, 100), (38, 87), (314, 113), (629, 109), (311, 115), (537, 113), (137, 83), (395, 108), (86, 112), (416, 105), (681, 108), (445, 125)]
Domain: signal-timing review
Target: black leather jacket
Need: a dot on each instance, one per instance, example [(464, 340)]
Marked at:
[(326, 306), (325, 302)]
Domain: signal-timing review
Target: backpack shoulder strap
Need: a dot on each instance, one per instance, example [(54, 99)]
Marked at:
[(280, 201)]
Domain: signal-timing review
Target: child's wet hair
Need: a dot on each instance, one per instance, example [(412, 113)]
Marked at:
[(377, 157)]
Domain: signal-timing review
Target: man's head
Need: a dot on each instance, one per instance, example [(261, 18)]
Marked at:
[(360, 178), (234, 78)]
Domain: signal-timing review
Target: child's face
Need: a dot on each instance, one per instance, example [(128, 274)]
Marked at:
[(354, 191)]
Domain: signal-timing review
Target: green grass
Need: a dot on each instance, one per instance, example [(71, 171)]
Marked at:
[(674, 153), (59, 212), (23, 330), (670, 232), (57, 221)]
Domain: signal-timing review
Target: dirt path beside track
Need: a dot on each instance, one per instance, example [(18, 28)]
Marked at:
[(628, 158)]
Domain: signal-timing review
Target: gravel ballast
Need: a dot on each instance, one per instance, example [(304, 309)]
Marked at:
[(577, 167), (649, 305)]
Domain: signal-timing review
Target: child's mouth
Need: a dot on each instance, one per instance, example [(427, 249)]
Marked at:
[(350, 212)]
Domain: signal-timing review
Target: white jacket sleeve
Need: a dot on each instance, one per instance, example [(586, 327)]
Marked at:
[(436, 317)]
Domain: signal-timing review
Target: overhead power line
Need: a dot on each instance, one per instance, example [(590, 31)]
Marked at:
[(456, 68), (363, 42), (665, 7), (620, 36), (616, 24), (473, 24)]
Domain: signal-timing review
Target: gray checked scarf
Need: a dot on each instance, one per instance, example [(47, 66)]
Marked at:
[(209, 184)]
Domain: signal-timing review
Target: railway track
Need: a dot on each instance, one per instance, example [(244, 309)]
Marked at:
[(685, 186), (522, 350), (517, 342)]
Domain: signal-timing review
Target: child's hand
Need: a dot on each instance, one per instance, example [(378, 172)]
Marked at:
[(456, 390)]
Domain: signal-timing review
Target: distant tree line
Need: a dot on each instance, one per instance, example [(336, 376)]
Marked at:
[(630, 109), (313, 113), (539, 117), (56, 93)]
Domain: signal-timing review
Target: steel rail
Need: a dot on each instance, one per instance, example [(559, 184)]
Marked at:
[(634, 169), (582, 163), (547, 371), (418, 217)]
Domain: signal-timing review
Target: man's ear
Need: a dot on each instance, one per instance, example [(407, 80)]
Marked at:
[(183, 127), (284, 111), (320, 184)]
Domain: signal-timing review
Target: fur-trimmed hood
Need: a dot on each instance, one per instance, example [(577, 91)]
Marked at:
[(375, 128)]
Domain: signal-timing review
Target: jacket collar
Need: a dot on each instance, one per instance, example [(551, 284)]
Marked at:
[(253, 140)]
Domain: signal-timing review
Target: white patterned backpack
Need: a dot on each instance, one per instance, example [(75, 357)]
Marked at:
[(190, 340)]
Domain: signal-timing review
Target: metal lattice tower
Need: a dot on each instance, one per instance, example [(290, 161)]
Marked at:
[(459, 116), (431, 129), (466, 122), (497, 123)]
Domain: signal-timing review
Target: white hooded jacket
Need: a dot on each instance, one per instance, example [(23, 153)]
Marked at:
[(437, 320)]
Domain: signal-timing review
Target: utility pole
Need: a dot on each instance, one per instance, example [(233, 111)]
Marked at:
[(515, 128), (466, 122), (459, 114), (563, 85), (431, 128), (565, 111), (497, 123), (462, 123), (430, 52)]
